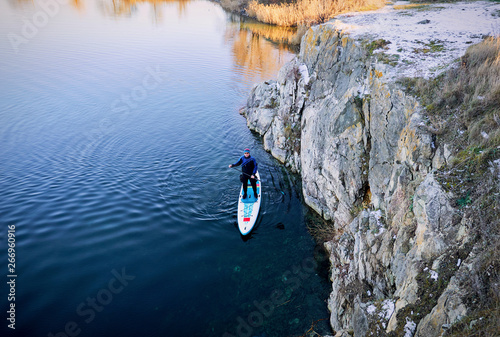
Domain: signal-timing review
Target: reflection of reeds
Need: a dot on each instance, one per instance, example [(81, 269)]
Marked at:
[(78, 4), (255, 58), (124, 7), (307, 12), (273, 33)]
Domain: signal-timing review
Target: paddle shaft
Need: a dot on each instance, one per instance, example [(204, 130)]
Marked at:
[(234, 167)]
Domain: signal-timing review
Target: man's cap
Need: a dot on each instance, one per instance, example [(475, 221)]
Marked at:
[(246, 150)]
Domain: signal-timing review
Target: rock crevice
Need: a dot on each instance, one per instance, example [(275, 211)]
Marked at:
[(337, 116)]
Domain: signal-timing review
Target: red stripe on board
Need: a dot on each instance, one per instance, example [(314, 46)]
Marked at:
[(246, 219)]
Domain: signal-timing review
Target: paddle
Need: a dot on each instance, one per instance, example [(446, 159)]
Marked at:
[(235, 167)]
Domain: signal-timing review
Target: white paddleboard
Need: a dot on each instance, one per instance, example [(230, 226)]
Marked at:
[(248, 208)]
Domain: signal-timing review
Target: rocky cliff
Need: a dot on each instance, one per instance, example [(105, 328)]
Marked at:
[(402, 251)]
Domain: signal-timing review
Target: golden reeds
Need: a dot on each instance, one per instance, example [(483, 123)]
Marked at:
[(307, 12)]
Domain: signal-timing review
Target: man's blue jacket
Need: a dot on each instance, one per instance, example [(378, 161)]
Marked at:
[(248, 165)]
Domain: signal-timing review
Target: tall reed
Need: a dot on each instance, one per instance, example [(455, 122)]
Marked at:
[(307, 12)]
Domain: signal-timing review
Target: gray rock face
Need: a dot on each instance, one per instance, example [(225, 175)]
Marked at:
[(274, 111), (339, 124), (449, 309), (366, 162), (434, 214)]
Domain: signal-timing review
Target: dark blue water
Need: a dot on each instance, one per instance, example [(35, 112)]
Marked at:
[(117, 122)]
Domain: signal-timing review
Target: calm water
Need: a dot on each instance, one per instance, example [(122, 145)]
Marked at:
[(117, 122)]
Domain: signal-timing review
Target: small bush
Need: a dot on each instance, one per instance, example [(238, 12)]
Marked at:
[(376, 44), (411, 6), (320, 229)]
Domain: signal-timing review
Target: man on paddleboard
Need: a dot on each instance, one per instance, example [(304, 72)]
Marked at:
[(248, 170)]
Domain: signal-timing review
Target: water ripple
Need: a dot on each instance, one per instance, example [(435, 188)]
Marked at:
[(92, 189)]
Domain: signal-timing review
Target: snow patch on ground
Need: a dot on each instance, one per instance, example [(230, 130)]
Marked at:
[(497, 163), (371, 309), (387, 309), (304, 73), (423, 40), (377, 215), (409, 328)]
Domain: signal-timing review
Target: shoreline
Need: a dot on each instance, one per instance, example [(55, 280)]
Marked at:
[(374, 166)]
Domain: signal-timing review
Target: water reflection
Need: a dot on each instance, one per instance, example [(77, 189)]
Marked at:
[(114, 7), (78, 4), (20, 3), (277, 34), (93, 185), (129, 7), (253, 53), (258, 50)]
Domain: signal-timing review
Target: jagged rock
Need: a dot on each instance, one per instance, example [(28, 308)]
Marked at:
[(274, 111), (357, 132), (264, 102), (449, 309), (367, 159), (360, 321), (435, 228)]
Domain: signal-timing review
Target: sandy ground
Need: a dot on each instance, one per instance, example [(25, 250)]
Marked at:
[(424, 40)]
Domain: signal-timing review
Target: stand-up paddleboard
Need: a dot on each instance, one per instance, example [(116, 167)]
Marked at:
[(248, 208)]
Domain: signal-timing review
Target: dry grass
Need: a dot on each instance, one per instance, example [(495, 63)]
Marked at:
[(467, 98), (484, 321), (320, 229), (465, 104), (410, 6), (475, 86), (464, 107), (307, 12)]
